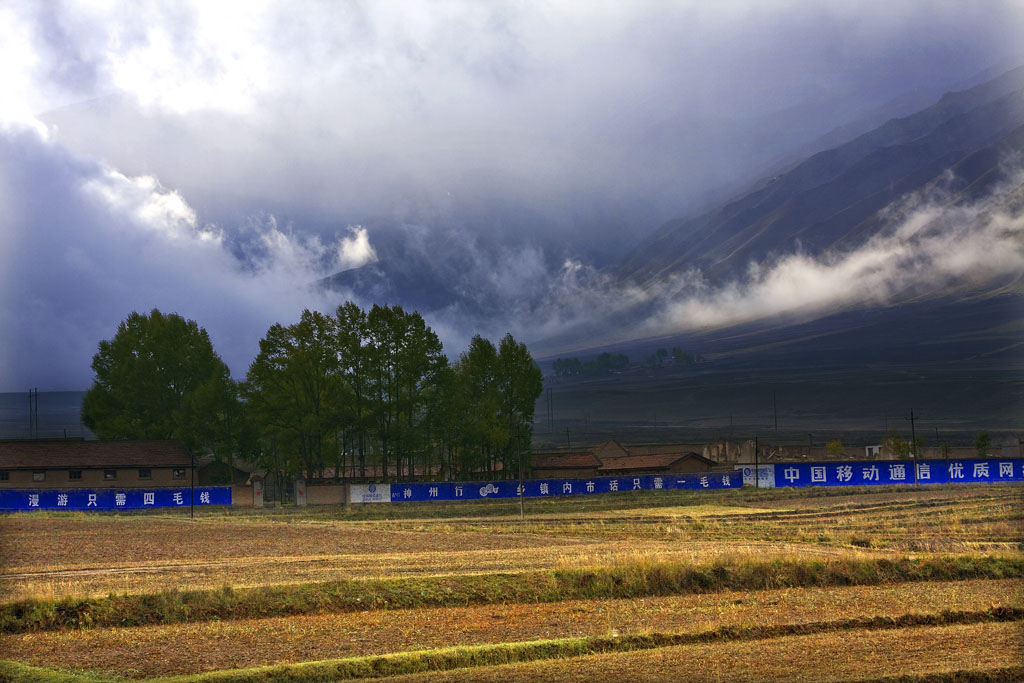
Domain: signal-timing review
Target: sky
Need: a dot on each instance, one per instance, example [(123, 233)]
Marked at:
[(218, 159)]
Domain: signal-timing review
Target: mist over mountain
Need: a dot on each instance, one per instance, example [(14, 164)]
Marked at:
[(831, 199), (502, 167), (871, 222)]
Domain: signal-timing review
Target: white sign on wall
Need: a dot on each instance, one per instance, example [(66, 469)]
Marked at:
[(369, 493), (766, 476)]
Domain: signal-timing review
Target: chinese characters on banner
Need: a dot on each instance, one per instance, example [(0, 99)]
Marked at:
[(111, 499), (987, 471), (546, 488), (861, 473)]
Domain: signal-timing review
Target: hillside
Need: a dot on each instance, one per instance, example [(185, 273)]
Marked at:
[(958, 362), (832, 198)]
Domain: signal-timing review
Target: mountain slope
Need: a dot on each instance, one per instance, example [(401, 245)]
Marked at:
[(831, 198)]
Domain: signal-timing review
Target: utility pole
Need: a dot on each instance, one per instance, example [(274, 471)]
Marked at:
[(519, 456), (775, 412), (33, 413), (913, 443), (192, 495), (568, 443), (757, 467), (551, 411)]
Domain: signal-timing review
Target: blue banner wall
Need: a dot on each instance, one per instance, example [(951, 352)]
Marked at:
[(545, 488), (889, 472), (111, 499)]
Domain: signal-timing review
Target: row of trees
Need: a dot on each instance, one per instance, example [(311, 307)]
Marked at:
[(607, 363), (898, 447), (604, 364), (357, 391), (679, 357)]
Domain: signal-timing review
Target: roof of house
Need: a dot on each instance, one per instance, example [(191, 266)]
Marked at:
[(562, 462), (72, 453), (612, 456), (645, 462)]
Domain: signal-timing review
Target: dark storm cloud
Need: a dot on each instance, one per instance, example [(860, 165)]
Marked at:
[(86, 245), (353, 111), (527, 142)]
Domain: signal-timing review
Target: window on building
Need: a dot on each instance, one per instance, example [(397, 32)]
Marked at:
[(39, 476), (145, 473), (178, 473), (5, 475), (110, 474), (75, 475)]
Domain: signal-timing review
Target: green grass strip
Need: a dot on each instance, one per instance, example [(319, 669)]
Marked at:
[(16, 672), (446, 659), (1010, 674), (639, 579)]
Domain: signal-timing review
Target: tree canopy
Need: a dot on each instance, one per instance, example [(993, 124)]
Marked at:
[(294, 390), (374, 386), (159, 378), (605, 364), (346, 392)]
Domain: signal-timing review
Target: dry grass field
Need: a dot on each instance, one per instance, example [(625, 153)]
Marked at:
[(728, 585)]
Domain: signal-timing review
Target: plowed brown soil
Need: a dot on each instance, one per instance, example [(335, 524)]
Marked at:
[(846, 656), (149, 651)]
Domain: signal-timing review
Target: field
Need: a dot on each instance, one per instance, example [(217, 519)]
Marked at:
[(852, 376), (899, 584)]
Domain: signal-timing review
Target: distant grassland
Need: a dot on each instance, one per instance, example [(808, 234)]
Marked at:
[(610, 581)]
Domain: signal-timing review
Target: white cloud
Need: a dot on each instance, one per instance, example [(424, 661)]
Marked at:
[(20, 61), (85, 245), (355, 250), (198, 142), (933, 245), (355, 111)]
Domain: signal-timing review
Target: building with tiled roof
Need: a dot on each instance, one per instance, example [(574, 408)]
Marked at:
[(77, 463), (545, 464), (612, 458), (662, 462)]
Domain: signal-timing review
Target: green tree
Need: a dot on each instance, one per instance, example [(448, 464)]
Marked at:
[(159, 378), (567, 367), (354, 362), (897, 446), (520, 383), (901, 448), (605, 364), (483, 432), (681, 357), (447, 407), (295, 392), (404, 358), (983, 444), (419, 363), (834, 447)]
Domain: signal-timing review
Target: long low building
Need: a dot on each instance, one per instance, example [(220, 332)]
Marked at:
[(612, 458), (76, 463)]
